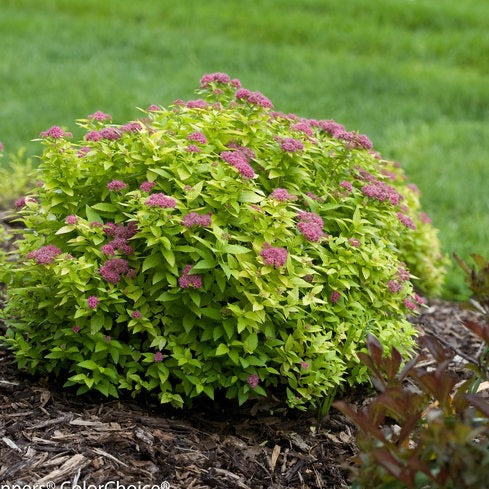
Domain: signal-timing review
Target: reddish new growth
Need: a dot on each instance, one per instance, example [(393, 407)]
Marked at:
[(310, 226), (158, 357), (381, 191), (253, 380), (238, 160), (71, 220), (113, 269), (194, 219), (198, 137), (55, 132), (92, 302), (147, 186), (275, 257), (407, 221), (100, 116), (282, 195), (291, 145), (254, 98), (44, 255), (116, 185), (187, 281), (160, 200)]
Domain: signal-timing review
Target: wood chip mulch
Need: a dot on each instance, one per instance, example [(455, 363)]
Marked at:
[(48, 434)]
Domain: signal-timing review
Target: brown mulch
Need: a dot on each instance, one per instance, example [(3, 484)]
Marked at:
[(50, 434)]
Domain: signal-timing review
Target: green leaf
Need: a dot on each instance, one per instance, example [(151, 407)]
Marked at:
[(204, 265), (88, 364), (249, 196), (236, 249), (92, 216), (105, 207), (65, 229), (151, 261), (222, 349), (250, 343), (97, 322)]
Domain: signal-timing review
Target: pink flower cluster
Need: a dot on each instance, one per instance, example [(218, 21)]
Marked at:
[(275, 257), (92, 302), (406, 220), (394, 286), (413, 187), (112, 269), (194, 219), (83, 151), (22, 201), (381, 191), (197, 104), (346, 185), (121, 235), (303, 127), (305, 365), (354, 242), (335, 296), (409, 304), (160, 200), (424, 218), (55, 132), (1, 146), (100, 116), (75, 329), (191, 148), (254, 98), (239, 161), (131, 127), (253, 380), (224, 78), (282, 195), (152, 108), (158, 357), (187, 281), (44, 255), (403, 274), (247, 152), (355, 140), (71, 220), (310, 226), (331, 127), (116, 185), (136, 315), (197, 137), (291, 145), (147, 186), (110, 133)]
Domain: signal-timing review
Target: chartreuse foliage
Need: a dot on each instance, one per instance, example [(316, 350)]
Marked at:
[(215, 246)]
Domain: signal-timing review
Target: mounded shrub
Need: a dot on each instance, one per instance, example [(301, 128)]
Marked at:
[(215, 245)]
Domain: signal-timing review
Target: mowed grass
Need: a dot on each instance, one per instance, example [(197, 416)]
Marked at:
[(412, 75)]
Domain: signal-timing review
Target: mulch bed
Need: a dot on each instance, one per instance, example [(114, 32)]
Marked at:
[(50, 434)]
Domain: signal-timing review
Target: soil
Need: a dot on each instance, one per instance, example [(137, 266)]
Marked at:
[(48, 434)]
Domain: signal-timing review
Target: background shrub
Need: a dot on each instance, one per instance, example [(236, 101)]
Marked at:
[(215, 245)]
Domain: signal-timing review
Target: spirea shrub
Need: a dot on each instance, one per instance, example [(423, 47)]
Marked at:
[(215, 245)]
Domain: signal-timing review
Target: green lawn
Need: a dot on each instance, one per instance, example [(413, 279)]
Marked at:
[(411, 74)]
